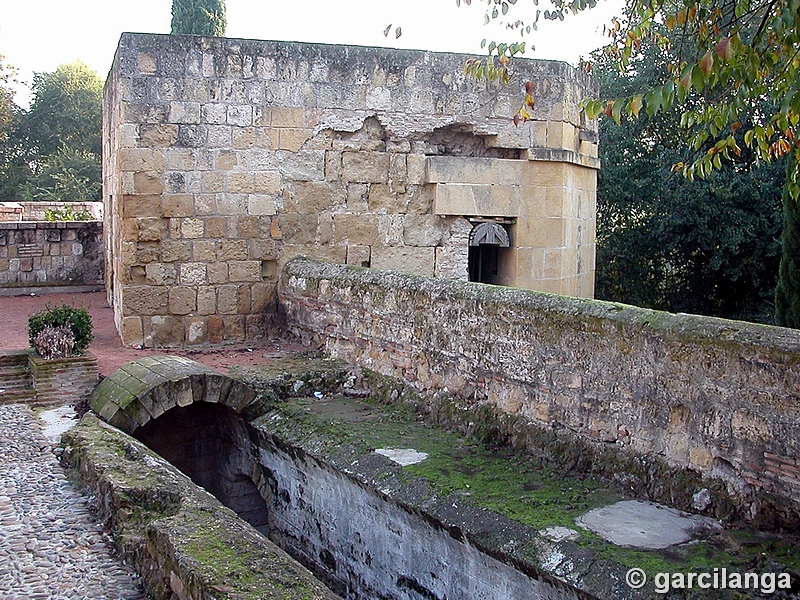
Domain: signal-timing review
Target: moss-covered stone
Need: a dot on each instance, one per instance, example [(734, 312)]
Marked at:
[(182, 541)]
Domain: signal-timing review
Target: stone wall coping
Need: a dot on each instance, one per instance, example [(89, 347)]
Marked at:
[(47, 224), (711, 330), (154, 42), (561, 155)]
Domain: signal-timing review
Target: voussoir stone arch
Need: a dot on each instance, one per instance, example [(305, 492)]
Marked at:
[(146, 388)]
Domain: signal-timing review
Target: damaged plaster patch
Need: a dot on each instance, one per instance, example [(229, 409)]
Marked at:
[(560, 534), (402, 456)]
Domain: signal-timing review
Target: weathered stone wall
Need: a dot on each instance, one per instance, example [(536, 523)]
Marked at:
[(717, 397), (225, 158), (36, 254)]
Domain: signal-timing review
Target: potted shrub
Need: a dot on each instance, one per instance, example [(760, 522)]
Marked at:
[(60, 332), (61, 368)]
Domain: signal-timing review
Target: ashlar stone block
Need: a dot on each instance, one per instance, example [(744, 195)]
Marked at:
[(131, 331), (356, 229), (182, 300), (365, 167), (165, 331), (233, 250), (359, 255), (196, 330), (479, 200), (244, 270), (192, 228), (417, 261), (160, 274), (193, 274), (261, 205), (177, 205), (144, 300)]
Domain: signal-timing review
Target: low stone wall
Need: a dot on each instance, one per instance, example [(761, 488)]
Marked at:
[(707, 396), (183, 542), (28, 378), (45, 254)]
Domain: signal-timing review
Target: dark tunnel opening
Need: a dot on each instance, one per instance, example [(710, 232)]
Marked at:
[(210, 445)]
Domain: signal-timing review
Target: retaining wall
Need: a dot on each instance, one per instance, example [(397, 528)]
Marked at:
[(718, 398), (45, 254)]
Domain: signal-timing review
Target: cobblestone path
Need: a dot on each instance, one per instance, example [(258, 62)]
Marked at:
[(50, 545)]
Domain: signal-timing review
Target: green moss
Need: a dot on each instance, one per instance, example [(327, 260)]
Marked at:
[(220, 560), (519, 487)]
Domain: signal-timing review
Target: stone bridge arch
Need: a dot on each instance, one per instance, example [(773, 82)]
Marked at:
[(146, 388), (191, 415)]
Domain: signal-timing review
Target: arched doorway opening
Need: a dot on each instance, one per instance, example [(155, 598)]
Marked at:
[(488, 240)]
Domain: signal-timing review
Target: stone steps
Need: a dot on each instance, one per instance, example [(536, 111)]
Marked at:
[(15, 378)]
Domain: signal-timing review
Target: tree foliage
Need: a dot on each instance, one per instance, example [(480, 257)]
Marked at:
[(66, 111), (734, 74), (52, 151), (65, 175), (729, 56), (6, 99), (704, 246), (13, 166), (198, 17), (787, 294)]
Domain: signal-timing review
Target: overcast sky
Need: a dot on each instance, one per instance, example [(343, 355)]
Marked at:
[(39, 35)]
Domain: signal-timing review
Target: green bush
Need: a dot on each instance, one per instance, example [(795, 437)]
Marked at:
[(67, 214), (77, 319)]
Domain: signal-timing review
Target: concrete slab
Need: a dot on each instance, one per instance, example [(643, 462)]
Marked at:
[(646, 525)]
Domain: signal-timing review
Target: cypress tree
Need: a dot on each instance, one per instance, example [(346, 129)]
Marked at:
[(787, 292), (198, 17)]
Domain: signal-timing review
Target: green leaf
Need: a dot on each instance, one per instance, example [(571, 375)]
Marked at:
[(698, 79)]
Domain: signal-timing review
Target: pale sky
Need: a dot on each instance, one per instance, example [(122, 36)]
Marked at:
[(39, 35)]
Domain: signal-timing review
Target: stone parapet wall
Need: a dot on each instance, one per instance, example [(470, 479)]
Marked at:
[(44, 254), (225, 158), (719, 398)]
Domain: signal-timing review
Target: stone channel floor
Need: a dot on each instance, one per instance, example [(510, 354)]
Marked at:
[(51, 547)]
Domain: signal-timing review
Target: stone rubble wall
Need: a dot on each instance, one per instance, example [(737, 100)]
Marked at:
[(44, 254), (225, 158), (719, 398)]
